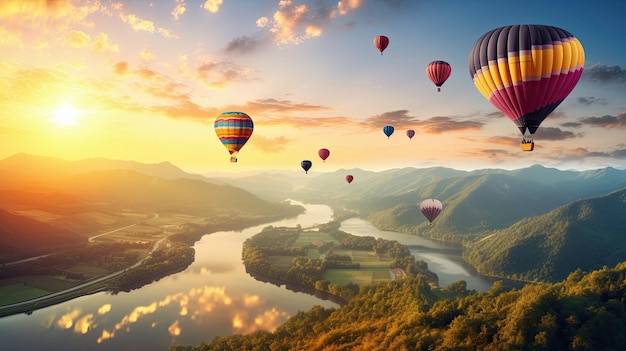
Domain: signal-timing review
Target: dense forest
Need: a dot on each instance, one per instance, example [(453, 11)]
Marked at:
[(586, 311)]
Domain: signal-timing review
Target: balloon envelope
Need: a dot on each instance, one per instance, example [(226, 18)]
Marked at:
[(431, 208), (306, 165), (438, 72), (388, 130), (410, 133), (381, 43), (233, 129), (349, 178), (323, 153), (526, 71)]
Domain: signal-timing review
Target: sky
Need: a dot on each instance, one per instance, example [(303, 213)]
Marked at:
[(144, 81)]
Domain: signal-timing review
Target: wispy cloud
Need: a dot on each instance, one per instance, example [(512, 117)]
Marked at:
[(245, 44), (270, 145), (600, 73), (179, 9), (606, 121), (139, 24), (296, 23), (432, 125), (553, 133), (590, 100)]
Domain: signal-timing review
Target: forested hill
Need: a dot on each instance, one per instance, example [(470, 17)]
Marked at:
[(583, 312), (586, 234)]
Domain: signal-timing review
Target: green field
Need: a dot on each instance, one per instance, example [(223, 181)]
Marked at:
[(374, 268), (28, 287)]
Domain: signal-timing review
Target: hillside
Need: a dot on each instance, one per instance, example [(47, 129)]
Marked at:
[(584, 312), (58, 202), (585, 234), (22, 237), (28, 171)]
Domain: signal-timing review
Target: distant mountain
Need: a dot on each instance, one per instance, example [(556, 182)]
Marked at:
[(586, 234), (54, 196), (124, 188), (32, 171), (473, 204), (22, 237)]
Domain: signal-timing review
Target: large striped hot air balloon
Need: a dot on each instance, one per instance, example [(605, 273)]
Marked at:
[(381, 43), (438, 72), (233, 129), (526, 71), (431, 208)]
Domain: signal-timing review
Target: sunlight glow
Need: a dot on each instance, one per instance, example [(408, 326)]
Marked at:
[(64, 116)]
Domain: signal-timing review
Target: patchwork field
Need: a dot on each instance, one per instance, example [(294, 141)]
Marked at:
[(374, 268)]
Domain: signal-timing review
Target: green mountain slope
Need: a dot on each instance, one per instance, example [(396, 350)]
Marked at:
[(586, 234)]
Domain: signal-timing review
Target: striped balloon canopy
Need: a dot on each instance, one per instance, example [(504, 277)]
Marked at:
[(526, 71), (438, 72), (233, 129)]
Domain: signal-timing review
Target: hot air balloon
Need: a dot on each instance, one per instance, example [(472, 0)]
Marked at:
[(323, 153), (410, 133), (388, 130), (438, 72), (306, 165), (349, 178), (526, 71), (233, 129), (431, 208), (381, 43)]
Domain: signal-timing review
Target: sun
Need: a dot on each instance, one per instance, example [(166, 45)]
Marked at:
[(64, 116)]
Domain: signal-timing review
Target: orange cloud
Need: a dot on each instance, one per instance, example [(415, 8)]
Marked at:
[(212, 6), (270, 145), (293, 24)]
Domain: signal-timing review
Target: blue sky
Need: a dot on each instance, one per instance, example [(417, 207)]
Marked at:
[(144, 80)]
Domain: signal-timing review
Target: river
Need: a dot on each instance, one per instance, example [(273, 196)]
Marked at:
[(214, 296)]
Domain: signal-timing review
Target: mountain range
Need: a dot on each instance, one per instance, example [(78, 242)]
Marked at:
[(529, 223), (54, 202)]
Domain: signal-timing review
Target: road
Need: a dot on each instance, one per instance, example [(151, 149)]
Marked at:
[(86, 284), (83, 285)]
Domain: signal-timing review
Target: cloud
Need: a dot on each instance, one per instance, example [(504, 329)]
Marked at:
[(219, 74), (572, 125), (398, 119), (212, 6), (179, 9), (120, 68), (438, 125), (54, 16), (77, 38), (433, 125), (606, 121), (600, 73), (270, 145), (552, 133), (580, 154), (8, 38), (590, 100), (296, 23), (282, 106), (244, 44), (502, 140), (139, 24)]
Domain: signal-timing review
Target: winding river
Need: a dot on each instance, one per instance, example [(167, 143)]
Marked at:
[(214, 296)]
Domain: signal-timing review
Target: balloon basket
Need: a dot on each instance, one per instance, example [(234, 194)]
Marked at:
[(527, 146)]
